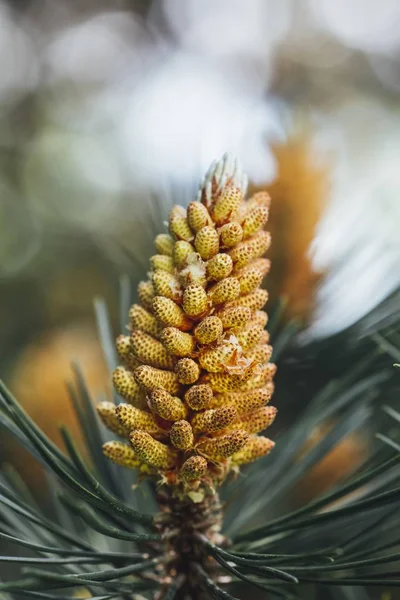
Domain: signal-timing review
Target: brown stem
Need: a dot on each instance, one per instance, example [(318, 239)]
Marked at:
[(184, 527)]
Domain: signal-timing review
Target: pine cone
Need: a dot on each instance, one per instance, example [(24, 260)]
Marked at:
[(196, 372)]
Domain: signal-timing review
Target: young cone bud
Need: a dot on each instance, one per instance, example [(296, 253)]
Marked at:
[(150, 351), (222, 174), (182, 250), (178, 224), (227, 205), (162, 262), (151, 451), (170, 314), (126, 386), (121, 454), (181, 435), (166, 285), (177, 342), (214, 419), (151, 378), (198, 216), (208, 330), (193, 468), (134, 418), (231, 234), (225, 445), (195, 301), (146, 293), (199, 397), (187, 371), (141, 319), (255, 448), (106, 412), (224, 291), (166, 406), (207, 242), (219, 267), (164, 244)]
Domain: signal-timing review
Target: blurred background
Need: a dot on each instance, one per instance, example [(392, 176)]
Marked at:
[(111, 111)]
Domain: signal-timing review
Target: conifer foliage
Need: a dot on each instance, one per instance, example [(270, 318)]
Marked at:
[(179, 499)]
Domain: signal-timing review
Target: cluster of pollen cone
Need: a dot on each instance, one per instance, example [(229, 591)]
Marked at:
[(196, 376)]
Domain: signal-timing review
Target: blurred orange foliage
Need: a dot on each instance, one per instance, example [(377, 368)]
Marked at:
[(39, 381), (298, 196), (334, 468)]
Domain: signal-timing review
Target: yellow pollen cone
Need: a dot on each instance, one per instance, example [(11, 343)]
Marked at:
[(224, 291), (125, 385), (181, 435), (198, 216), (164, 244), (245, 402), (199, 396), (225, 445), (150, 351), (146, 293), (121, 454), (106, 412), (193, 468), (151, 378), (187, 371), (252, 248), (195, 301), (151, 451), (167, 285), (257, 420), (216, 360), (255, 448), (207, 242), (219, 267), (134, 418), (170, 314), (255, 300), (231, 234), (162, 262), (235, 317), (182, 250), (208, 330), (178, 224), (227, 204), (254, 220), (166, 406), (177, 342), (214, 419), (141, 319)]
